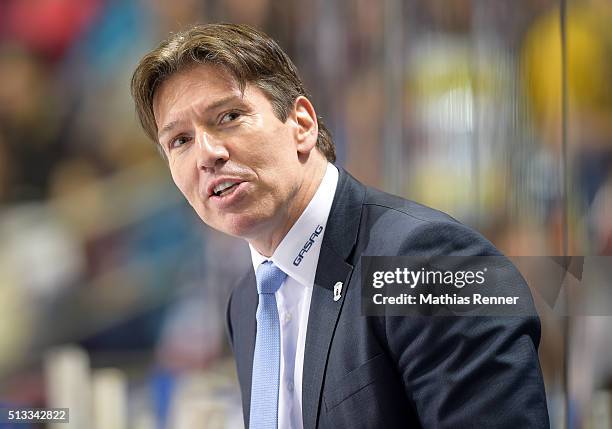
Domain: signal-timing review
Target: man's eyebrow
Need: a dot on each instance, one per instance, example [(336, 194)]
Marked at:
[(214, 105), (166, 129)]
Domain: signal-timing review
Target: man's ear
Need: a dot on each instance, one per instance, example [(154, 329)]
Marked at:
[(307, 127)]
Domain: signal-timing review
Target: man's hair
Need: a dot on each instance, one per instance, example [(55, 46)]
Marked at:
[(249, 55)]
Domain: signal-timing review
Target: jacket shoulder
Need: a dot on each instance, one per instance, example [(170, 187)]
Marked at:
[(379, 200), (394, 226)]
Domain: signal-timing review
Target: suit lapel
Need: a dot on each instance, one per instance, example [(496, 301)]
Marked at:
[(245, 342), (322, 320), (338, 242)]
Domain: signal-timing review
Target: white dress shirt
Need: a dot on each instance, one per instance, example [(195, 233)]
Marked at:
[(298, 255)]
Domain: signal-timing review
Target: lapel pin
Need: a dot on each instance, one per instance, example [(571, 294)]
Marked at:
[(337, 291)]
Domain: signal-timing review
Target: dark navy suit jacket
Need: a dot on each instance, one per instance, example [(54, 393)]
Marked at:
[(392, 372)]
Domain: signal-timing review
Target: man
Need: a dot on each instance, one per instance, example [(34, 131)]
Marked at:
[(246, 148)]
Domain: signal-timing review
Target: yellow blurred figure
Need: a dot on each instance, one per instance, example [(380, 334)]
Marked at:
[(588, 61)]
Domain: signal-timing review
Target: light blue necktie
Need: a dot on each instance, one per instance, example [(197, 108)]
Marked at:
[(266, 360)]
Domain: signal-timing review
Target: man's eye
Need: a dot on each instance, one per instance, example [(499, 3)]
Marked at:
[(179, 141), (229, 117)]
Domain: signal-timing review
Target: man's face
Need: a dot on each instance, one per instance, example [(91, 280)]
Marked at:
[(236, 163)]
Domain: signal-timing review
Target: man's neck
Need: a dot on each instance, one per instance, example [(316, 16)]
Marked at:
[(267, 243)]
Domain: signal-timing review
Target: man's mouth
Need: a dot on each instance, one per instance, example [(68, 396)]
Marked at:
[(224, 188)]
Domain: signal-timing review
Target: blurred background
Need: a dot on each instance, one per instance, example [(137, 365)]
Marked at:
[(112, 292)]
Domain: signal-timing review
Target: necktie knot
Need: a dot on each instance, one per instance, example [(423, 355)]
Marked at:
[(269, 278)]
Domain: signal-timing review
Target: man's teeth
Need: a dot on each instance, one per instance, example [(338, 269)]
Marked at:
[(222, 187)]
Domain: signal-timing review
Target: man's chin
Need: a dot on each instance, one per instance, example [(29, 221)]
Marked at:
[(238, 225)]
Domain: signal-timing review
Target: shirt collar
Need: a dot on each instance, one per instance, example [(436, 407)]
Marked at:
[(298, 252)]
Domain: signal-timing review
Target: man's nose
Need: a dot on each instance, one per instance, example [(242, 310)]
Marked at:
[(211, 151)]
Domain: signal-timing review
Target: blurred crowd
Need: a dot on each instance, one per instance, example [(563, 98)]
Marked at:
[(497, 112)]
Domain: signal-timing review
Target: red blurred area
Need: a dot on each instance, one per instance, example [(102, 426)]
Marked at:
[(47, 27)]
